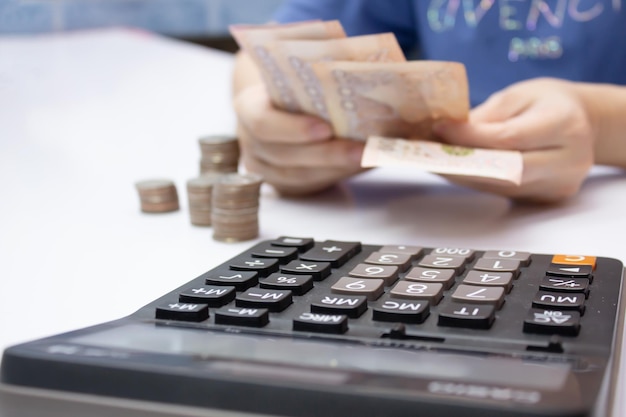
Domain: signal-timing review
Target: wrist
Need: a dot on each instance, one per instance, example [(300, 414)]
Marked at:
[(604, 105)]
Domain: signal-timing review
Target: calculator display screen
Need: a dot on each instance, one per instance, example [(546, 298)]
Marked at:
[(335, 359)]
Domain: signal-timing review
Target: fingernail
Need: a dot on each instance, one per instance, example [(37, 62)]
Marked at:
[(320, 131)]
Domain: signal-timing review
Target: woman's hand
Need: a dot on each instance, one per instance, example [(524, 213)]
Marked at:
[(548, 121), (295, 153)]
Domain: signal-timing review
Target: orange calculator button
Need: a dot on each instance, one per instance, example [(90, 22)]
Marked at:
[(575, 260)]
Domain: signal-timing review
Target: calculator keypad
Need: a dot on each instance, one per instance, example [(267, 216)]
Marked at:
[(335, 287)]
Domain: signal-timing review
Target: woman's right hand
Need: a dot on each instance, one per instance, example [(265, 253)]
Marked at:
[(295, 153)]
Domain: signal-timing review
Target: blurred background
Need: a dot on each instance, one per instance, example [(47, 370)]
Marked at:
[(200, 21)]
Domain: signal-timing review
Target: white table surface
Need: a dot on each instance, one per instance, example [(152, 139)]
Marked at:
[(84, 116)]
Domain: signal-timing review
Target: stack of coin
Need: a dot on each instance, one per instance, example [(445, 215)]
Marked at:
[(157, 196), (199, 194), (220, 153), (235, 210)]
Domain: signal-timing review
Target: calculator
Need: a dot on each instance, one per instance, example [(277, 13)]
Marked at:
[(294, 326)]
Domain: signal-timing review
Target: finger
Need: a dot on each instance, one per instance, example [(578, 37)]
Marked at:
[(499, 107), (334, 153), (534, 129), (545, 179), (265, 122), (298, 180)]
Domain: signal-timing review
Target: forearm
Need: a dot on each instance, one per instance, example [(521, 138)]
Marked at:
[(606, 106)]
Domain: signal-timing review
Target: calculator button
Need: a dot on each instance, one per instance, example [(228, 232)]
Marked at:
[(432, 292), (350, 305), (283, 254), (212, 295), (473, 316), (401, 311), (488, 279), (250, 317), (319, 270), (468, 254), (413, 251), (523, 257), (300, 243), (575, 260), (476, 294), (241, 280), (401, 260), (183, 312), (333, 251), (574, 271), (442, 276), (498, 265), (370, 288), (565, 284), (263, 266), (546, 321), (560, 301), (455, 263), (389, 274), (297, 284), (273, 300), (321, 323)]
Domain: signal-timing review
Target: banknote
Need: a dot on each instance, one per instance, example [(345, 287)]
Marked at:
[(296, 57), (254, 38), (396, 99), (443, 159)]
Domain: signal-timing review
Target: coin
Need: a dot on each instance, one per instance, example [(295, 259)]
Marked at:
[(199, 196), (157, 195), (220, 153), (235, 207)]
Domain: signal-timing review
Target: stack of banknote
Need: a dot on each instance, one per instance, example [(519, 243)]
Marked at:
[(367, 90)]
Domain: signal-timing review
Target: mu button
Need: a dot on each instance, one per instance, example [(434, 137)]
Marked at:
[(560, 301)]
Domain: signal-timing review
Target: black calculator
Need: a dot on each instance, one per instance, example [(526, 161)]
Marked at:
[(299, 327)]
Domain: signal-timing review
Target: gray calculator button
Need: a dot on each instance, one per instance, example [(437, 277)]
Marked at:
[(489, 279), (476, 294), (372, 289), (442, 276), (444, 262), (432, 292), (409, 250), (401, 260), (498, 265), (523, 257), (466, 253), (388, 273)]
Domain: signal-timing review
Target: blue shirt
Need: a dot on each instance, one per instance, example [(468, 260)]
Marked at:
[(499, 41)]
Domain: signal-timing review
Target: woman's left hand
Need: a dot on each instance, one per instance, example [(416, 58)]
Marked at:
[(546, 119)]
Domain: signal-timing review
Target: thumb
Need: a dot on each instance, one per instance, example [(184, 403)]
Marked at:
[(487, 123)]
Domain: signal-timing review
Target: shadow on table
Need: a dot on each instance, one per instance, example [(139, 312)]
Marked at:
[(445, 210)]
